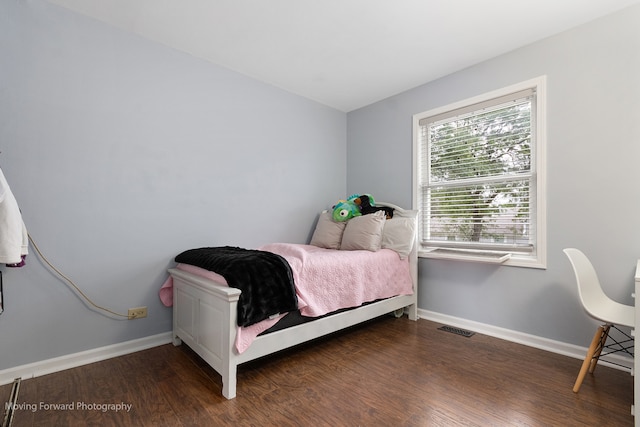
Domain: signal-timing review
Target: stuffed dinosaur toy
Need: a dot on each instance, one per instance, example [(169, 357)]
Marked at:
[(344, 210)]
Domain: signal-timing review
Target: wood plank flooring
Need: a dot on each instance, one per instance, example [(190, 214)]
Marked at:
[(388, 372)]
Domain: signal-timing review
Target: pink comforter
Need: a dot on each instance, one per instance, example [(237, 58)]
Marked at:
[(327, 280)]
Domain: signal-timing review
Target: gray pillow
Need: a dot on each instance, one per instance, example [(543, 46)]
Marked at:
[(364, 232), (328, 233)]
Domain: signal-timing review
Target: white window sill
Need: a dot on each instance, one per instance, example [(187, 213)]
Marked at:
[(487, 257), (491, 257)]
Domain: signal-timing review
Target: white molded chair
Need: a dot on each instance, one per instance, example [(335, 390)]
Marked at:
[(601, 307)]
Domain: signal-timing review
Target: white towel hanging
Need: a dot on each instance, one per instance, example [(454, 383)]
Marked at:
[(14, 241)]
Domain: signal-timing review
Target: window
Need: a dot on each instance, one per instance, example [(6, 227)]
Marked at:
[(480, 177)]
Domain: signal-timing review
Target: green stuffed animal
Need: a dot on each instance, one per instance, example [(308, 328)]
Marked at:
[(344, 210)]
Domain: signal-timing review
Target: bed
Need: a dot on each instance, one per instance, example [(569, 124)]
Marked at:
[(205, 307)]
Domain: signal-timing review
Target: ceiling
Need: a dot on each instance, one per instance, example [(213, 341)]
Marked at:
[(345, 53)]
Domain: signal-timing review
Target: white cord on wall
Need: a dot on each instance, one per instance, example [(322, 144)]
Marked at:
[(86, 298)]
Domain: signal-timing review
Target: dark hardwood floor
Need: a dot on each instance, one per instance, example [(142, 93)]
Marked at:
[(388, 372)]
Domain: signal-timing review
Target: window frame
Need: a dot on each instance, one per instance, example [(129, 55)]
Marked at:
[(538, 257)]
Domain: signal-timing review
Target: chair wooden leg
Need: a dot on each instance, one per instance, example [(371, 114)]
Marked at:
[(603, 342), (587, 360)]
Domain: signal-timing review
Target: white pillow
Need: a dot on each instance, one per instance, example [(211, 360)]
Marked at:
[(328, 233), (399, 233), (364, 232)]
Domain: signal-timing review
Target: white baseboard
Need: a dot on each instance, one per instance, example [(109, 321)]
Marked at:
[(68, 361), (577, 352)]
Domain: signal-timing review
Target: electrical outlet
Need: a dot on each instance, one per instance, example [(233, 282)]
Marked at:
[(137, 313)]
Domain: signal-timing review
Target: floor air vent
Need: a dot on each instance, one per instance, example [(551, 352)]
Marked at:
[(456, 331)]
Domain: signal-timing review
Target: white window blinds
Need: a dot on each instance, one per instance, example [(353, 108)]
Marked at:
[(477, 175)]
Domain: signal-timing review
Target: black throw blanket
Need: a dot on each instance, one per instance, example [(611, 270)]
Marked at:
[(265, 279)]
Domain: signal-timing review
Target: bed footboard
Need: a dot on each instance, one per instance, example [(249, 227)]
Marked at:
[(204, 317)]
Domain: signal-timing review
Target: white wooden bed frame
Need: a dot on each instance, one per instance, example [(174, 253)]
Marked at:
[(204, 318)]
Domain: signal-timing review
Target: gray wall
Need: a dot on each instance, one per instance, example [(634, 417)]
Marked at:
[(593, 151), (122, 153)]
